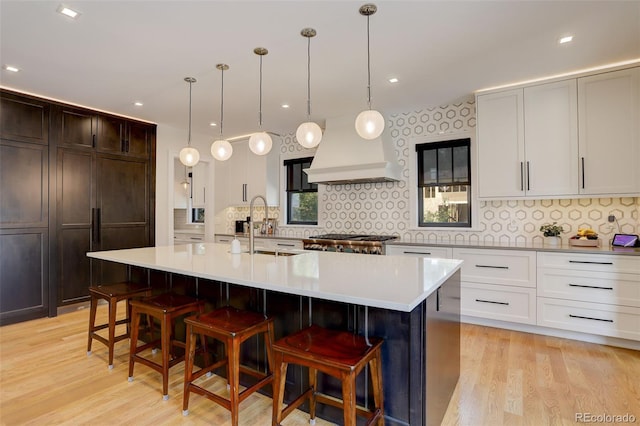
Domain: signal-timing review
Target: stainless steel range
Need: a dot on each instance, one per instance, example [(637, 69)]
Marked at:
[(348, 243)]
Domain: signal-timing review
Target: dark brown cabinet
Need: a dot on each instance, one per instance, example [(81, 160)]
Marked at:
[(122, 137), (24, 208), (73, 181)]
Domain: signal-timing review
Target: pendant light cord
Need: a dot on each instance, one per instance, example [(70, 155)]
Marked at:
[(368, 67), (189, 139), (309, 78), (260, 97), (221, 101)]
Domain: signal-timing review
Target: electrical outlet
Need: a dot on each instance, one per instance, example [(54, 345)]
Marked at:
[(611, 218)]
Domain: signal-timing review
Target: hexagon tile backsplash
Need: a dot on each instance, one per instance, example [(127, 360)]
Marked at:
[(383, 208)]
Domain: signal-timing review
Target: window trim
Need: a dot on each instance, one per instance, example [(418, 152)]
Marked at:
[(449, 143), (284, 206), (412, 165)]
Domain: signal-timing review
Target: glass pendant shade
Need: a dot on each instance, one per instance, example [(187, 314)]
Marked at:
[(221, 150), (369, 124), (309, 134), (189, 156), (260, 143)]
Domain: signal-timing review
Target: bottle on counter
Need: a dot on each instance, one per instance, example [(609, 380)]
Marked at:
[(235, 246)]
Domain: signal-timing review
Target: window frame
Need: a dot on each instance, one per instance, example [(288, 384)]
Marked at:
[(288, 194), (435, 146), (412, 165)]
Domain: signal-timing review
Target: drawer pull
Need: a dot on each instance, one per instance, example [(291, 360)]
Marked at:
[(590, 318), (223, 241), (285, 245), (590, 286), (196, 238), (491, 301), (416, 252), (592, 263), (491, 266)]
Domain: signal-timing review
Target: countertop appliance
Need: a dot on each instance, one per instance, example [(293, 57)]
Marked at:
[(348, 243)]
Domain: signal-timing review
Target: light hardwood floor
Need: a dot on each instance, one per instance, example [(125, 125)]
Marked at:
[(507, 378)]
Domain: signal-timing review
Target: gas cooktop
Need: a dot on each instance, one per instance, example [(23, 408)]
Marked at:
[(353, 237)]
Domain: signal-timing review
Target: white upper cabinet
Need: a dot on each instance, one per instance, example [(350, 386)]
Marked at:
[(561, 139), (500, 129), (551, 139), (246, 175), (609, 132)]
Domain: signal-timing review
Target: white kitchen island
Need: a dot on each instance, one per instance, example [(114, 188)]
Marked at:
[(411, 302)]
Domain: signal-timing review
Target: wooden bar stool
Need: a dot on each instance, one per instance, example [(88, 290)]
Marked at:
[(112, 293), (337, 353), (166, 308), (232, 327)]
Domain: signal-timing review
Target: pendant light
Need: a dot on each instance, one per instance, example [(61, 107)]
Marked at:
[(189, 156), (369, 123), (221, 149), (309, 133), (260, 143)]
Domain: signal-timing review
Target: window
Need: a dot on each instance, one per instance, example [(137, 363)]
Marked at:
[(302, 196), (444, 183)]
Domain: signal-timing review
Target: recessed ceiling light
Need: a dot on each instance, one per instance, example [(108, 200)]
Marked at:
[(285, 105), (138, 103), (393, 80), (566, 39), (11, 68), (66, 11), (212, 124)]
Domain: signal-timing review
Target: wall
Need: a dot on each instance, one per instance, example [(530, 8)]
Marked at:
[(383, 208)]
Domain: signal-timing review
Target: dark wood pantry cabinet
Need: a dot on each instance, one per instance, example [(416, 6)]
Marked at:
[(98, 185)]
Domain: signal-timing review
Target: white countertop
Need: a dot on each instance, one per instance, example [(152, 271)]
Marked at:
[(390, 282)]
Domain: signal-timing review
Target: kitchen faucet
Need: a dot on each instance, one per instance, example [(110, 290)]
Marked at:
[(251, 230)]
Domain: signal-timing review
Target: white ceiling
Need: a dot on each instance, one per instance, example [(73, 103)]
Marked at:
[(118, 52)]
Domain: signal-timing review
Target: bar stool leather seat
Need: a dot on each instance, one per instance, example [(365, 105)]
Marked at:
[(112, 293), (339, 354), (232, 327), (166, 308)]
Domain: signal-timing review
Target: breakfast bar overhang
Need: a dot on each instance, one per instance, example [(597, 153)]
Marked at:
[(413, 303)]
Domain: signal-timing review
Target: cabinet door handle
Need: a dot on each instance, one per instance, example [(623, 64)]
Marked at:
[(582, 161), (244, 192), (438, 299), (93, 141), (127, 144), (528, 177), (590, 318), (590, 286), (204, 195), (491, 266), (521, 176), (416, 252), (492, 302), (592, 263)]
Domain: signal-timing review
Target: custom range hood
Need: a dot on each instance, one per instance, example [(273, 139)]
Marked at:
[(344, 157)]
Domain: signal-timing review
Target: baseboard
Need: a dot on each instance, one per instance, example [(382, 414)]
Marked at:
[(545, 331)]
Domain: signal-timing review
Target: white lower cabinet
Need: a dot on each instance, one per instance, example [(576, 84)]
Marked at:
[(592, 318), (263, 243), (421, 251), (498, 284), (499, 302), (590, 293)]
